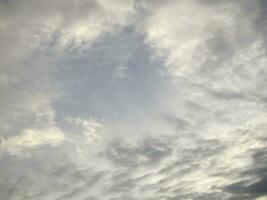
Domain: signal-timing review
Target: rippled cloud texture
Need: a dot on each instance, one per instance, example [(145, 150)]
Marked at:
[(133, 100)]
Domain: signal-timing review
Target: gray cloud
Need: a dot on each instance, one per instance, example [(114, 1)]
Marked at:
[(133, 100)]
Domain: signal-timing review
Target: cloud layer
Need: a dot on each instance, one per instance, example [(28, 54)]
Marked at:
[(133, 100)]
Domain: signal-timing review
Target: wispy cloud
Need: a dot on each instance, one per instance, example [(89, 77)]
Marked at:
[(133, 99)]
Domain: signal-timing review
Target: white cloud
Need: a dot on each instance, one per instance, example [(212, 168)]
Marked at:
[(183, 31), (30, 139), (217, 61), (86, 130), (31, 30), (57, 26), (189, 141)]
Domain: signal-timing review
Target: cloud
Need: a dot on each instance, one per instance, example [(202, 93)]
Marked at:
[(216, 58), (133, 99), (88, 127), (28, 37), (73, 25), (215, 52), (30, 139), (34, 36)]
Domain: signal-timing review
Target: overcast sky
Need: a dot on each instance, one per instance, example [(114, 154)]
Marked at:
[(133, 100)]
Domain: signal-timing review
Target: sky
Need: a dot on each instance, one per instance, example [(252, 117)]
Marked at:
[(133, 100)]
